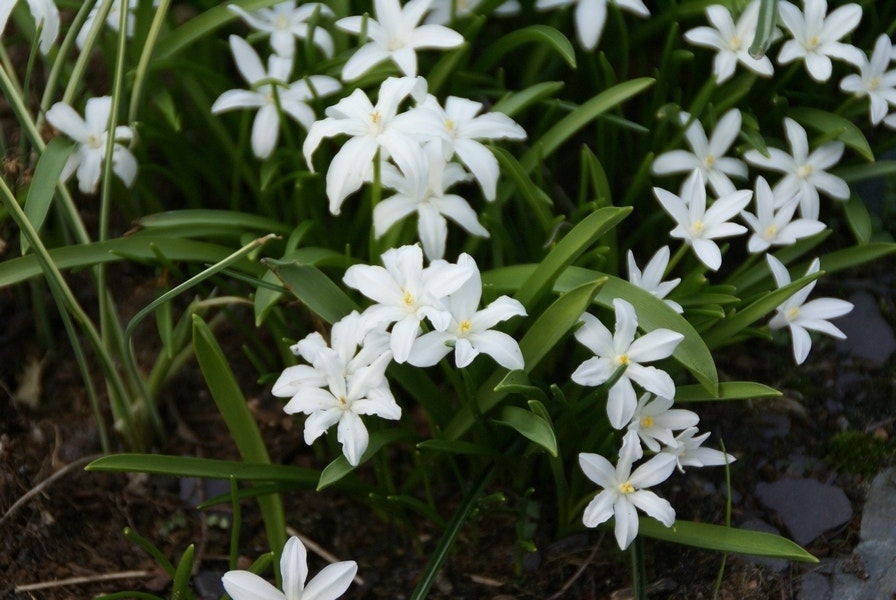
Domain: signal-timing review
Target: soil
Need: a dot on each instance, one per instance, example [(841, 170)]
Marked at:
[(72, 527)]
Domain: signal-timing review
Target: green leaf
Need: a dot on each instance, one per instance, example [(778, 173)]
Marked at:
[(765, 28), (858, 218), (43, 183), (855, 256), (726, 539), (203, 468), (313, 288), (728, 390), (180, 587), (135, 247), (457, 447), (529, 425), (581, 116), (863, 172), (537, 200), (235, 410), (830, 123), (498, 50), (340, 467), (201, 221), (569, 248), (516, 102), (517, 382)]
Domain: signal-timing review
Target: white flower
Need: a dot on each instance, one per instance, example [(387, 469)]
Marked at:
[(815, 38), (423, 192), (395, 34), (874, 80), (285, 23), (440, 10), (591, 15), (406, 293), (804, 173), (651, 280), (266, 84), (45, 15), (372, 128), (654, 422), (688, 452), (708, 156), (699, 226), (624, 492), (614, 350), (469, 331), (773, 223), (91, 134), (113, 19), (732, 41), (800, 316), (345, 383), (463, 130), (329, 584)]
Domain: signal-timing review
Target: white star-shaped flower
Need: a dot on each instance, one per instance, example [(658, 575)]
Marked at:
[(342, 384), (688, 451), (591, 15), (463, 132), (424, 192), (373, 128), (731, 41), (46, 18), (804, 173), (801, 316), (875, 80), (266, 83), (406, 293), (469, 331), (816, 36), (625, 491), (707, 156), (654, 423), (91, 134), (285, 23), (395, 34), (113, 19), (329, 584), (700, 226), (773, 223), (651, 280), (618, 349)]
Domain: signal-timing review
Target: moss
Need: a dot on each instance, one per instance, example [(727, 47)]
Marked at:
[(861, 453)]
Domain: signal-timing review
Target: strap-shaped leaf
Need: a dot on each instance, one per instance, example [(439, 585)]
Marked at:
[(310, 285), (340, 467), (43, 183), (516, 102), (533, 34), (830, 123), (529, 425), (728, 390), (726, 539)]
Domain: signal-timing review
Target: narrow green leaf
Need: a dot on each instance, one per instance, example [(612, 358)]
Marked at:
[(498, 50), (537, 200), (180, 587), (828, 123), (197, 219), (863, 172), (135, 247), (235, 410), (313, 288), (765, 28), (855, 256), (203, 468), (340, 467), (43, 183), (517, 382), (581, 116), (858, 218), (726, 539), (569, 248), (516, 102), (728, 390), (529, 425)]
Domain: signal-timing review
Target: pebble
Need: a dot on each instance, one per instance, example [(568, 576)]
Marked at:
[(868, 335), (806, 507)]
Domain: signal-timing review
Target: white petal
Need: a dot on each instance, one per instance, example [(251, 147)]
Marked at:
[(352, 434), (331, 582), (294, 567), (243, 585)]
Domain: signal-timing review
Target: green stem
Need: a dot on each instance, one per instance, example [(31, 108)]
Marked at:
[(639, 574), (676, 258), (143, 65)]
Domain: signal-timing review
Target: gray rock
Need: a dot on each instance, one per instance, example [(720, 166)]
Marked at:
[(815, 586), (868, 335), (870, 573), (806, 507)]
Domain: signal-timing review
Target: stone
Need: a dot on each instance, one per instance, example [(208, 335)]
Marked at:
[(868, 335), (815, 586), (806, 507)]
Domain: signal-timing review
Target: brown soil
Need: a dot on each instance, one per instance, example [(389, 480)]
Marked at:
[(73, 526)]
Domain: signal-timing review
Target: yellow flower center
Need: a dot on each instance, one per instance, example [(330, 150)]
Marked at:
[(710, 160), (771, 231), (94, 142), (812, 43), (408, 299), (343, 402), (734, 43), (874, 83), (627, 487), (450, 125), (805, 171), (793, 312), (622, 359), (282, 22), (647, 422), (697, 229), (464, 327)]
